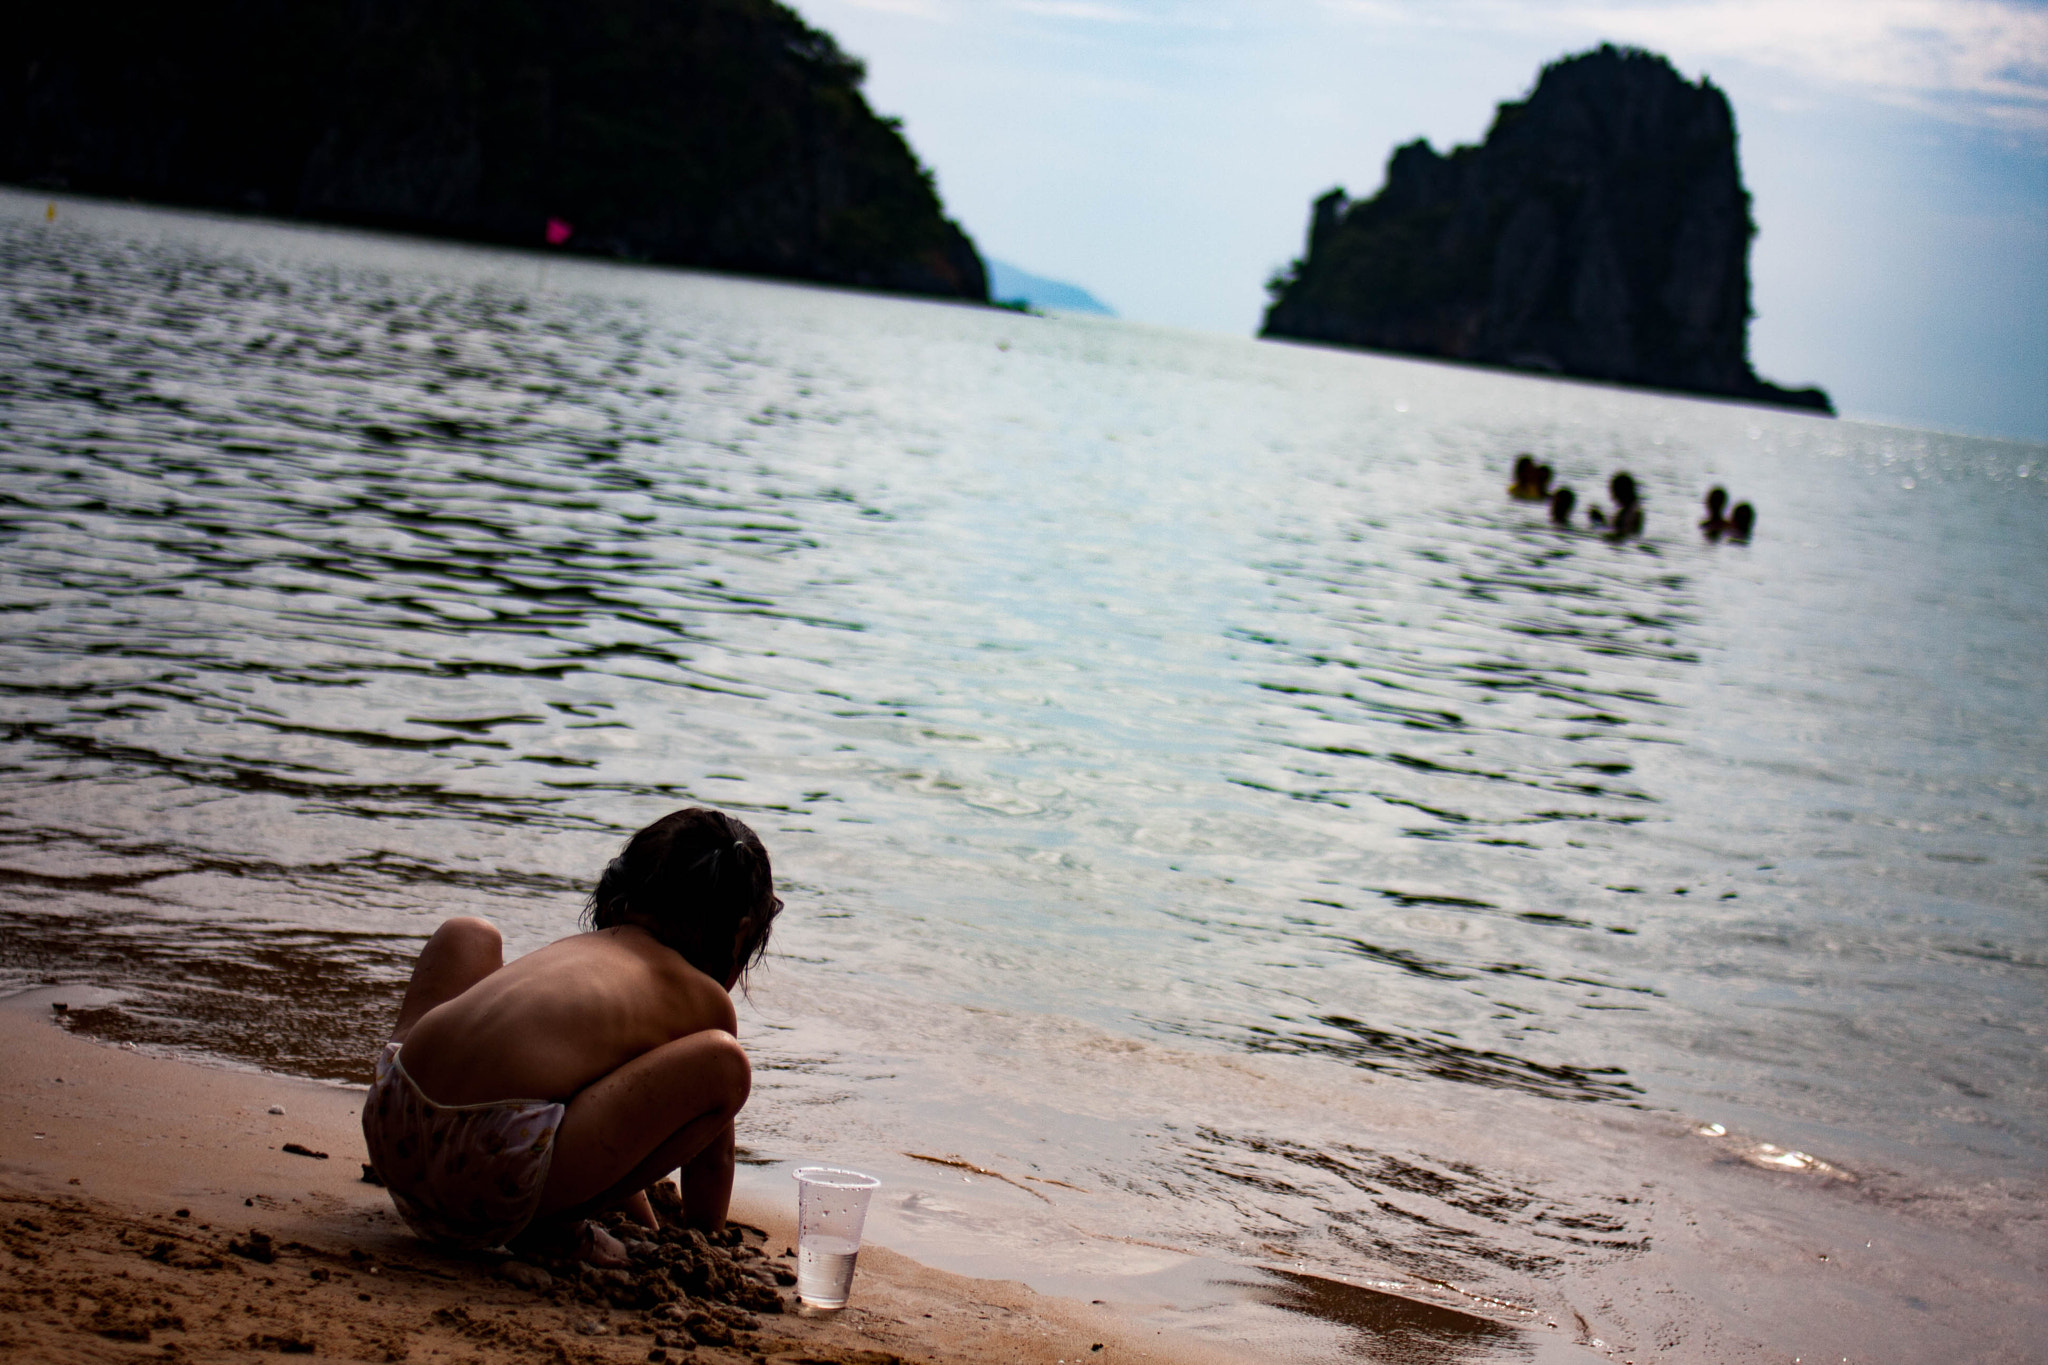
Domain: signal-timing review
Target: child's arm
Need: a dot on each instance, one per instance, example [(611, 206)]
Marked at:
[(671, 1107), (707, 1183)]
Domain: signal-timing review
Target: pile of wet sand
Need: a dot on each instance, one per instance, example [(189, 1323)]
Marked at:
[(687, 1287)]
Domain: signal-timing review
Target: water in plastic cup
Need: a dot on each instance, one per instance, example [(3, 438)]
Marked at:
[(831, 1205)]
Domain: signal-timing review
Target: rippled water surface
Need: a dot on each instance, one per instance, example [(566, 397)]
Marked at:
[(1199, 788)]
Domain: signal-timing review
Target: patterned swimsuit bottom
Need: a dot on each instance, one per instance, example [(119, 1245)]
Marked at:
[(464, 1175)]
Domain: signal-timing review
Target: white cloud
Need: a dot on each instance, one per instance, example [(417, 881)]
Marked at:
[(1972, 57), (1977, 61), (1196, 14), (916, 9), (1084, 10), (1984, 61)]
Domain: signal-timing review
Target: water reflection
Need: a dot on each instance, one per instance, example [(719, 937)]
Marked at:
[(1426, 1216), (1380, 1050), (1393, 1329)]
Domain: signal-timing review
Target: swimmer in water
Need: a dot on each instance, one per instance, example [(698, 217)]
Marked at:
[(1561, 506), (1524, 486), (1716, 525), (1628, 511), (1740, 522)]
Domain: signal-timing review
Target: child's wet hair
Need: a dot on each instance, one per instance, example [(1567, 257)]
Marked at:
[(693, 879)]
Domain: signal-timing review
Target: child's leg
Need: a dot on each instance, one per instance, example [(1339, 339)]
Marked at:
[(670, 1107), (461, 953)]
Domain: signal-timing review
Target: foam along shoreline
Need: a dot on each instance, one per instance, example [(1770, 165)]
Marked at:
[(101, 1147)]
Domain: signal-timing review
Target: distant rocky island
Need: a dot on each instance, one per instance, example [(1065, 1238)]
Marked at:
[(1600, 231), (719, 133), (1014, 287)]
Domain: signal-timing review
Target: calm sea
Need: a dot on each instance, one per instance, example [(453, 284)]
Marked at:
[(1211, 812)]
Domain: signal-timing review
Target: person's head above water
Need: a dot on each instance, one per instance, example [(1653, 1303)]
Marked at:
[(1742, 520), (1561, 506), (1717, 498), (700, 882), (1623, 488), (1525, 476)]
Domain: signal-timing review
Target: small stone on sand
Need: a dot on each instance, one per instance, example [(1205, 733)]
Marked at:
[(277, 1109)]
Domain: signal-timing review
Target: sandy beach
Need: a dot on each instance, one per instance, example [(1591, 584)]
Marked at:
[(136, 1188)]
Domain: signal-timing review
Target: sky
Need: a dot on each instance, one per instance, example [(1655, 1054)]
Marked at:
[(1163, 154)]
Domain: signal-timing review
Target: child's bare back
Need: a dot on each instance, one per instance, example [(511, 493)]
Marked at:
[(566, 1082), (549, 1024)]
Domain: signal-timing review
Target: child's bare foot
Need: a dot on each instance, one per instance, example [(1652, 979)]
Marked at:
[(600, 1248)]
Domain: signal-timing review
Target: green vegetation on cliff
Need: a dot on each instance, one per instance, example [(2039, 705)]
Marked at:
[(719, 133), (1601, 230)]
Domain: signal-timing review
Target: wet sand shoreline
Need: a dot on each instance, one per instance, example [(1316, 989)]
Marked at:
[(110, 1156), (101, 1145)]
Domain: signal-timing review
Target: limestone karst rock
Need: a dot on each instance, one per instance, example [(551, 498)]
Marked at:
[(1601, 231), (720, 133)]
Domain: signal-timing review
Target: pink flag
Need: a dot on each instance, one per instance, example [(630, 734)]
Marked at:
[(558, 231)]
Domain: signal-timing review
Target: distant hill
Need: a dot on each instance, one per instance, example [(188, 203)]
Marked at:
[(721, 133), (1009, 284), (1601, 230)]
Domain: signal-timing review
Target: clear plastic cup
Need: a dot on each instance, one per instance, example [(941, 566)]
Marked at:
[(831, 1205)]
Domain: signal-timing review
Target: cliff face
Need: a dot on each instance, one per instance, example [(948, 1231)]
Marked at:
[(721, 133), (1601, 231)]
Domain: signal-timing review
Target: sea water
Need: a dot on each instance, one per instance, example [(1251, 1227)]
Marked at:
[(1216, 822), (824, 1269)]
